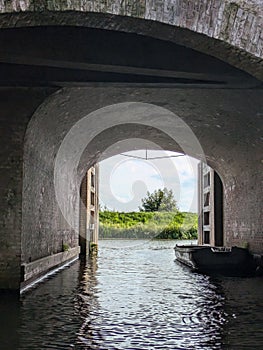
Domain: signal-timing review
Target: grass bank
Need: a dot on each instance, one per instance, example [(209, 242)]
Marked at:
[(148, 225)]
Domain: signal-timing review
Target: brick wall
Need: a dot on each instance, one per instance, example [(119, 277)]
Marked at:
[(226, 122), (244, 221), (16, 108), (44, 228), (236, 22)]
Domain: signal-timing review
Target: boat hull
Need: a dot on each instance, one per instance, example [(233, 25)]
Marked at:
[(233, 261)]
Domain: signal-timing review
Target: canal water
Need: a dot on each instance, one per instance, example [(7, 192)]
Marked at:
[(134, 296)]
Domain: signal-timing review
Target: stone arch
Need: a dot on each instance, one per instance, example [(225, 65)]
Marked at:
[(229, 31), (59, 116), (55, 141), (226, 120)]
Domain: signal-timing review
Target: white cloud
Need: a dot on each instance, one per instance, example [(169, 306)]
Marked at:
[(124, 181)]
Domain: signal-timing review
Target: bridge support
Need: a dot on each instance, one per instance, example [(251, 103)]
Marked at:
[(46, 89), (16, 108), (89, 212)]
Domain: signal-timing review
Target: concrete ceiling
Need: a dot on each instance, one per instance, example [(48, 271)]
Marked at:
[(70, 56)]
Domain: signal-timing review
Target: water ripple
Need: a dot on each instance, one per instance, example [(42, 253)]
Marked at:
[(134, 296)]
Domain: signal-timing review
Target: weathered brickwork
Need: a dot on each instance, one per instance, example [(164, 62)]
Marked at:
[(236, 22), (16, 108), (227, 122), (229, 132), (45, 232), (230, 120), (244, 222)]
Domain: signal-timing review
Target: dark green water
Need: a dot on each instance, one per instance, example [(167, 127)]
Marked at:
[(134, 296)]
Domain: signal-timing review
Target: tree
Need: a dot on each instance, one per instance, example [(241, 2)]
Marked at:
[(159, 200)]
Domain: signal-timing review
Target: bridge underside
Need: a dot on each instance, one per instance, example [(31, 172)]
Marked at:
[(69, 93)]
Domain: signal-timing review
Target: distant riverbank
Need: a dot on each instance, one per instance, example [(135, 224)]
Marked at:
[(148, 225)]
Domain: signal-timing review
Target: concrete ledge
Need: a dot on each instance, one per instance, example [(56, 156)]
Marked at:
[(43, 265)]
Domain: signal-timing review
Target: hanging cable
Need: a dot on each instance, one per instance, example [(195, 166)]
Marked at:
[(151, 158)]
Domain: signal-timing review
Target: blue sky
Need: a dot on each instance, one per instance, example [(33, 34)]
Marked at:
[(124, 180)]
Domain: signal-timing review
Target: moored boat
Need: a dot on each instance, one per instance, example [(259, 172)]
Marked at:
[(230, 261)]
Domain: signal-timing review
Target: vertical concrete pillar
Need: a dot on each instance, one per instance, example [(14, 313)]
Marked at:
[(96, 218), (218, 211), (16, 107), (89, 206), (200, 203), (243, 210), (92, 206), (210, 207), (83, 217), (10, 204), (206, 204), (11, 174)]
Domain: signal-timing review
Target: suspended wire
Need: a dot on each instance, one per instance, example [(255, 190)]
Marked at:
[(151, 158)]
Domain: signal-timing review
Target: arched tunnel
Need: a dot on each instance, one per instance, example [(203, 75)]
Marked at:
[(69, 92)]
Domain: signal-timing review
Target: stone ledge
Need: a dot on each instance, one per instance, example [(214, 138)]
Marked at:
[(41, 266)]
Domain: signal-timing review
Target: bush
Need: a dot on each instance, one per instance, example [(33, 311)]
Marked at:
[(147, 225)]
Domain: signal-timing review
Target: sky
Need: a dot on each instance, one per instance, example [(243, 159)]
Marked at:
[(124, 179)]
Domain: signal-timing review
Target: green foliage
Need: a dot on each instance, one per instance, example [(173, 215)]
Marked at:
[(159, 200), (123, 220), (65, 247), (148, 225), (93, 248)]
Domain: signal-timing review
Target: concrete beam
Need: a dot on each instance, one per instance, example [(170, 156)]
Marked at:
[(39, 267), (110, 68)]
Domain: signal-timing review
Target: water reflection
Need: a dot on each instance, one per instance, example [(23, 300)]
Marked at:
[(134, 296), (9, 321), (244, 306), (87, 304), (147, 301), (48, 316)]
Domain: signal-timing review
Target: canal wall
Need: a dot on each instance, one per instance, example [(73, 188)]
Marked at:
[(16, 106), (40, 267)]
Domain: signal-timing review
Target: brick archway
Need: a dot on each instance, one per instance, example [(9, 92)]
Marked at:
[(224, 112)]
